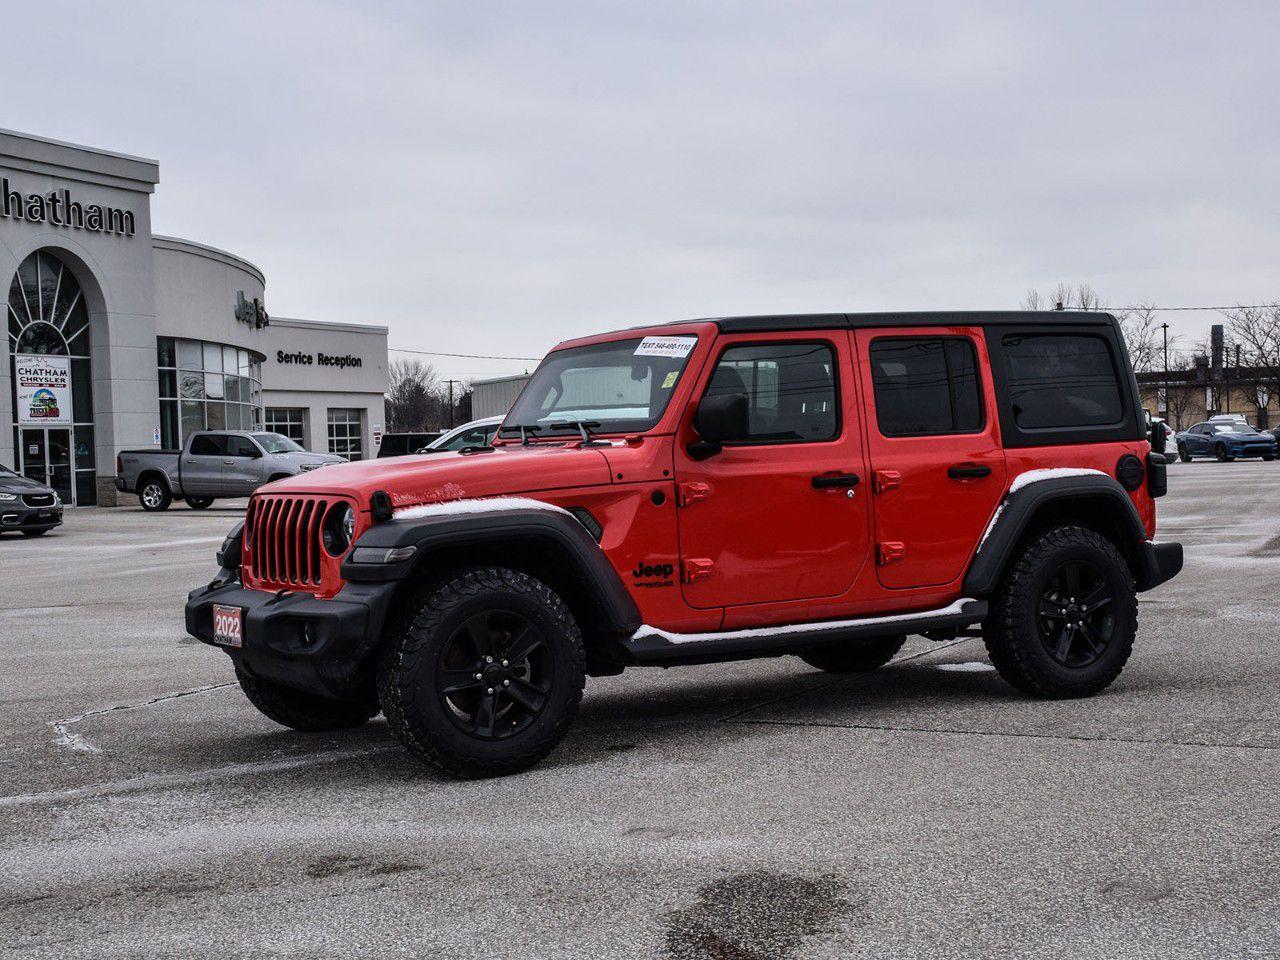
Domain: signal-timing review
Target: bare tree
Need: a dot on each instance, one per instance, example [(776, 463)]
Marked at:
[(1142, 334), (1257, 331), (412, 396)]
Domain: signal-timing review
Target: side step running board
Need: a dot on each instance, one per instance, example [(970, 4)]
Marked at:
[(650, 645)]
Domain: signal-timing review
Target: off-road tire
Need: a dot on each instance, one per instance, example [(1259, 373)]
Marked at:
[(853, 656), (1183, 455), (304, 711), (154, 496), (1010, 632), (199, 503), (409, 665), (1220, 452)]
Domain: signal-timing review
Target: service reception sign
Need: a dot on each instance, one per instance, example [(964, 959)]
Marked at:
[(44, 390)]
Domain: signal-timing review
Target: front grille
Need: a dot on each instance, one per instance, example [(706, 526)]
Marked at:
[(38, 499), (282, 537)]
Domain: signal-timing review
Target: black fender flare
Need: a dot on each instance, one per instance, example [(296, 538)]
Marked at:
[(559, 529), (1152, 563)]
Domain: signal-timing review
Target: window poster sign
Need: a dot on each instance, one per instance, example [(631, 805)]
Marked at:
[(44, 390)]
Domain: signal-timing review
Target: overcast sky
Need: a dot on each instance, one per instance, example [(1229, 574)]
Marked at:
[(492, 178)]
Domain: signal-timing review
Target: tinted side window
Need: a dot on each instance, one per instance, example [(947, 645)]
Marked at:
[(469, 438), (241, 447), (790, 387), (208, 445), (926, 386), (1061, 380)]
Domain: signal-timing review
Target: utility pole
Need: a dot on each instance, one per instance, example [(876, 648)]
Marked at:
[(1165, 328), (451, 383)]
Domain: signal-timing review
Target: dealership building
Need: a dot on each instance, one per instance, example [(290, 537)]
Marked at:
[(119, 338)]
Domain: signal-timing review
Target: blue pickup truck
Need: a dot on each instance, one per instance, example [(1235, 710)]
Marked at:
[(1225, 439)]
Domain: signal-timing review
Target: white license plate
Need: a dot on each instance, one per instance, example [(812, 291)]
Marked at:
[(228, 625)]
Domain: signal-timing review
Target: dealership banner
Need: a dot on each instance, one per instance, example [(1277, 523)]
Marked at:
[(44, 390)]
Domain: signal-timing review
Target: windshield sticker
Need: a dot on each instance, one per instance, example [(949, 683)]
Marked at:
[(671, 379), (665, 346)]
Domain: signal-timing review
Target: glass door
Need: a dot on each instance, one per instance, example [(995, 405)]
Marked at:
[(46, 458), (35, 458)]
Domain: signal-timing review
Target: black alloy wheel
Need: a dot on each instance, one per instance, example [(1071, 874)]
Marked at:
[(1183, 455), (1220, 452), (495, 674), (1075, 620)]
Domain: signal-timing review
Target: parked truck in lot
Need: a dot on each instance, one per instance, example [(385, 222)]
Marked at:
[(711, 490), (214, 464)]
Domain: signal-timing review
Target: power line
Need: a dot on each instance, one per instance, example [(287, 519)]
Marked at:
[(463, 356), (1238, 306)]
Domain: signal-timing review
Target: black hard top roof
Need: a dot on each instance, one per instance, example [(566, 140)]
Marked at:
[(922, 318)]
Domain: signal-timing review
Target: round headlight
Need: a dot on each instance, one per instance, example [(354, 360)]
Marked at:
[(339, 529)]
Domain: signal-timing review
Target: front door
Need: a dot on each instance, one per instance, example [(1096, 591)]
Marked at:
[(45, 457), (779, 514), (244, 467), (932, 431)]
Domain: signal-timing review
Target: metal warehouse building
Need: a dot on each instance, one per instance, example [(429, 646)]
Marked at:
[(120, 338)]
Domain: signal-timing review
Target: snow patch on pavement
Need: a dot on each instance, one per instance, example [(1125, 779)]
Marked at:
[(969, 666)]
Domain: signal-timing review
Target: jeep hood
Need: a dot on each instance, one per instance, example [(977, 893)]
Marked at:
[(436, 477)]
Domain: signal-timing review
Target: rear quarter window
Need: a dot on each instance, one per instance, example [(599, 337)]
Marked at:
[(1062, 380), (1063, 384)]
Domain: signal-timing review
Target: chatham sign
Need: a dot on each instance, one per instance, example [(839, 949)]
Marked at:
[(57, 207)]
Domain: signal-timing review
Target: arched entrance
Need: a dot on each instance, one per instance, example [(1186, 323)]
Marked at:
[(52, 403)]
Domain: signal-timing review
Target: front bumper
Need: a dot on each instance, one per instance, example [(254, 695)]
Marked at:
[(1160, 562), (1252, 449), (320, 646), (18, 516)]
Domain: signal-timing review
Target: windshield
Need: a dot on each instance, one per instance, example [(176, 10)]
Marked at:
[(1233, 428), (277, 443), (617, 387)]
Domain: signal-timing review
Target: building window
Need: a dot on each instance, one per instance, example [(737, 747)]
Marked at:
[(287, 421), (206, 386), (345, 433), (48, 316)]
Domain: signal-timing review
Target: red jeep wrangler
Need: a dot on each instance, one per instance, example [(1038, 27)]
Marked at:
[(711, 490)]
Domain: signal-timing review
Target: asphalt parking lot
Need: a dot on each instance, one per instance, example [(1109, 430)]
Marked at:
[(757, 810)]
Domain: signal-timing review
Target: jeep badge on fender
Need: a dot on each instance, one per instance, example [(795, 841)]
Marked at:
[(820, 486)]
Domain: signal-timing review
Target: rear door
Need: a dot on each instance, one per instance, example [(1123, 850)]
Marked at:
[(937, 466), (244, 467), (782, 514), (203, 466)]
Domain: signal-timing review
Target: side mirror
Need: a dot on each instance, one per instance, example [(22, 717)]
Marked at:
[(719, 420)]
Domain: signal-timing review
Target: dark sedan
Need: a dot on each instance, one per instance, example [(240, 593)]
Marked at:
[(27, 507), (1225, 440)]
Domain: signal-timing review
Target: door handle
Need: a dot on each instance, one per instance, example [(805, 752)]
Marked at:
[(228, 462), (968, 471), (827, 480)]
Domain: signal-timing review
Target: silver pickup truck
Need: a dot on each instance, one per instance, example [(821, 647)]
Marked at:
[(215, 464)]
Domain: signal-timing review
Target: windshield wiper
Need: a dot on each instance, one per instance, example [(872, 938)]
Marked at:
[(583, 428), (525, 430)]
